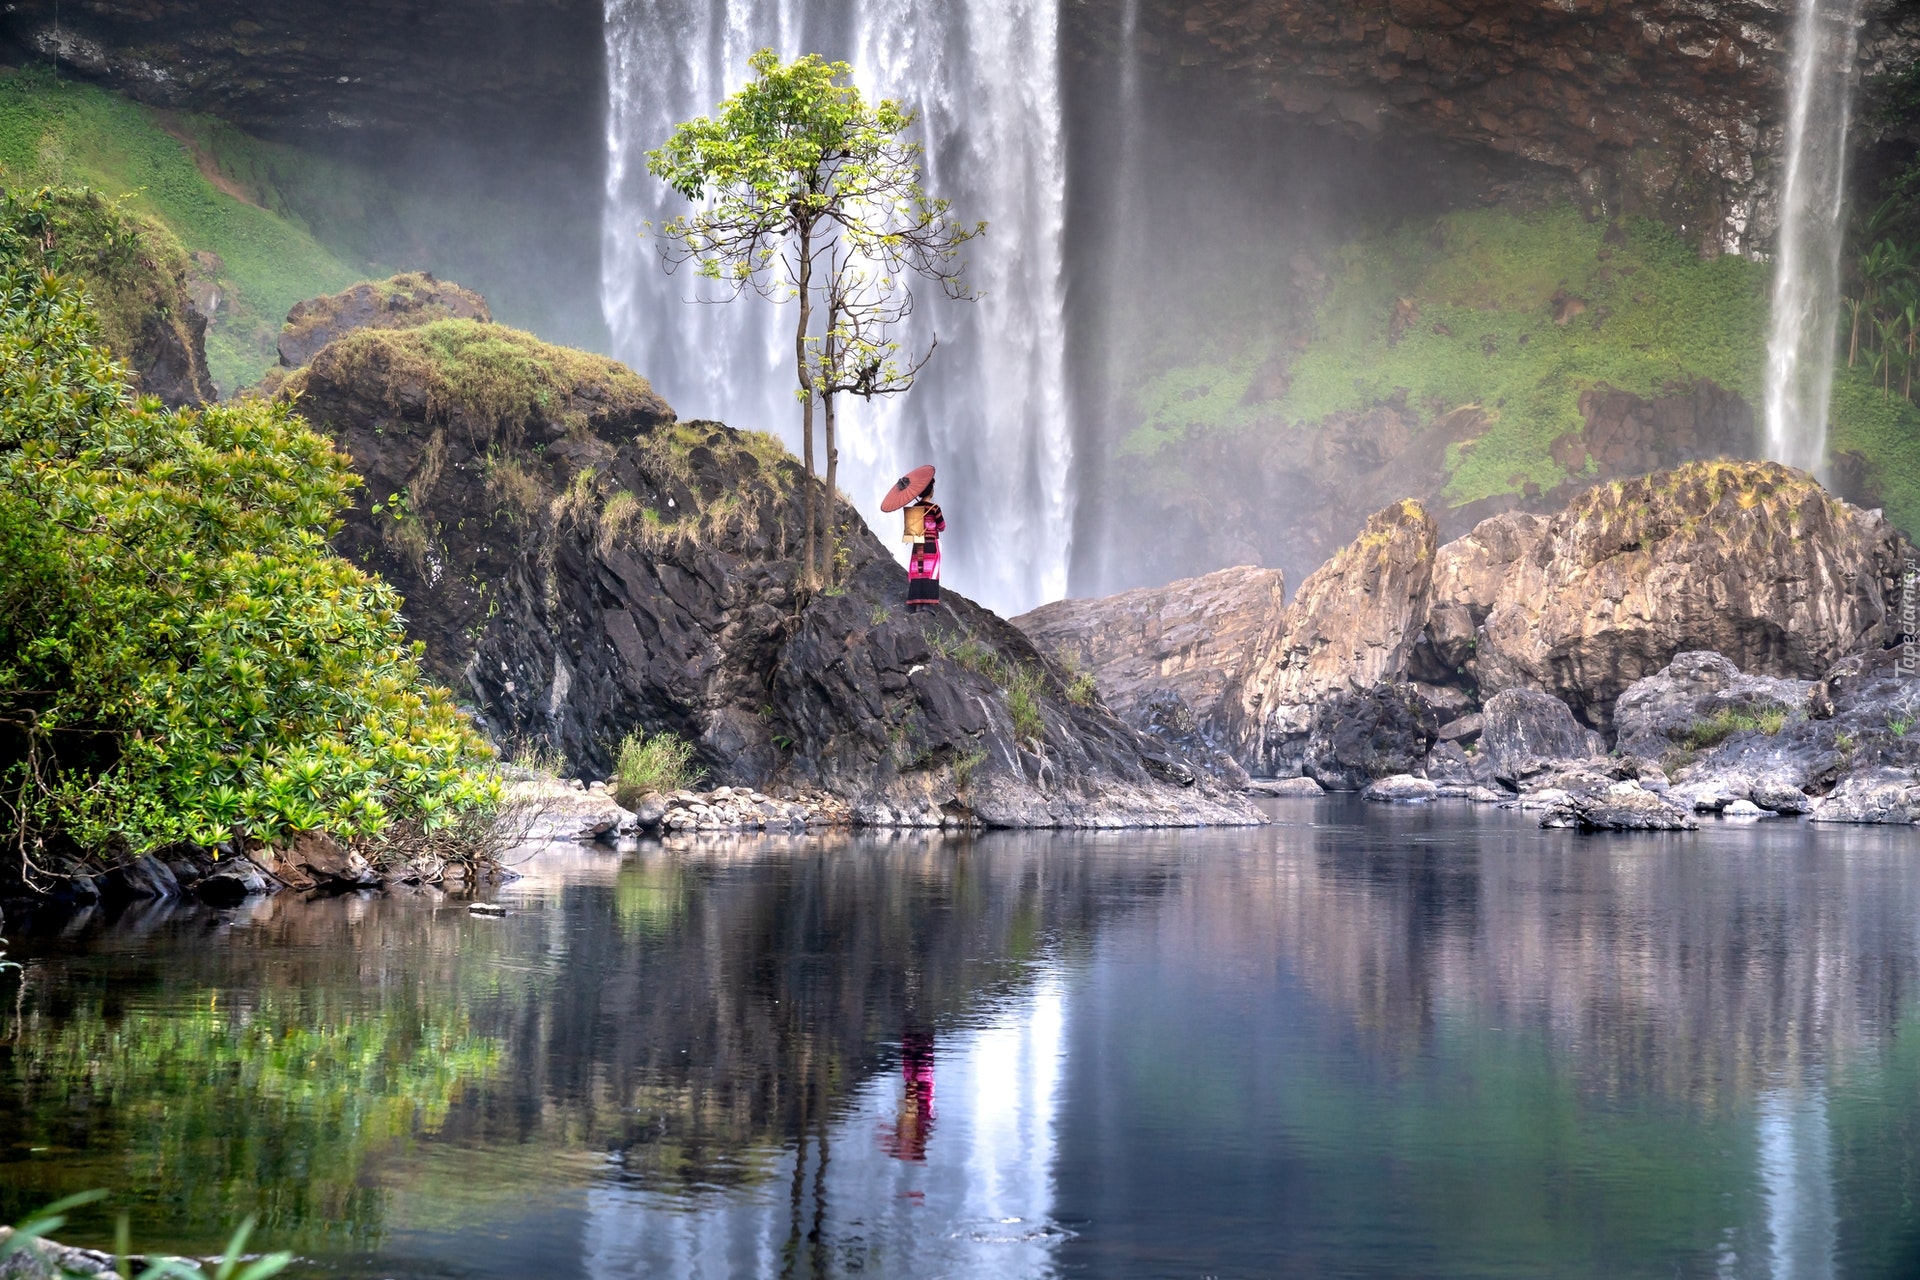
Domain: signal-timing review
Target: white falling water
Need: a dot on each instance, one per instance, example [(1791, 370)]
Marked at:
[(1806, 287), (991, 410)]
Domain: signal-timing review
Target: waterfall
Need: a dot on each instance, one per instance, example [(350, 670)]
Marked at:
[(991, 409), (1806, 286)]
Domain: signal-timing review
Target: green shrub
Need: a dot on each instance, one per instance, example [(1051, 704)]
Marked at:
[(182, 656), (1723, 724), (964, 767), (1023, 703), (659, 762)]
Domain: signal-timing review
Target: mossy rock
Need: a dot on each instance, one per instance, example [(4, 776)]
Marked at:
[(407, 301), (137, 275), (495, 385)]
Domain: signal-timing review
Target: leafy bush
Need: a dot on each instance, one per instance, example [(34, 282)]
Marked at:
[(1723, 724), (659, 762), (181, 654)]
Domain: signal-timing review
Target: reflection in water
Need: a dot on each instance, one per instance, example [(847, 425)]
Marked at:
[(1366, 1043), (907, 1138), (1797, 1168)]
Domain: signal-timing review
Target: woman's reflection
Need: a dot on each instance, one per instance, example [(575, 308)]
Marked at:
[(907, 1138)]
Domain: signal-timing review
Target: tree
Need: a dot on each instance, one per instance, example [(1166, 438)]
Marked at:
[(811, 194), (857, 355)]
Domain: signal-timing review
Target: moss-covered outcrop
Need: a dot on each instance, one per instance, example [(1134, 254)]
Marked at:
[(586, 566), (135, 273), (1482, 361), (248, 258), (406, 301)]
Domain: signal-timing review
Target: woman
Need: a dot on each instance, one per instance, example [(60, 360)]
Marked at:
[(913, 492)]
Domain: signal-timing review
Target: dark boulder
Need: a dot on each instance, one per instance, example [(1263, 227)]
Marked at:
[(1524, 727), (1355, 738)]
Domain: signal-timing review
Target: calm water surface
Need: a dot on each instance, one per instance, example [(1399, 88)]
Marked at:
[(1363, 1042)]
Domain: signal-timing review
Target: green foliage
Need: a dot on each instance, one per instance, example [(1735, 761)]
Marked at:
[(660, 762), (1477, 328), (1885, 431), (1025, 686), (798, 151), (1483, 331), (1024, 691), (181, 654), (1705, 734), (965, 766), (68, 134)]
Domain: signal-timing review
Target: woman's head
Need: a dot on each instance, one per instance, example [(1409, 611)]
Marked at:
[(926, 494)]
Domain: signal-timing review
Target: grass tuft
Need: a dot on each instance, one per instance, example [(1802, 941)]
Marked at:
[(660, 762)]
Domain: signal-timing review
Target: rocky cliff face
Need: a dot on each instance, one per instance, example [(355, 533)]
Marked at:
[(1351, 628), (353, 65), (1395, 643), (1752, 560), (585, 567), (1670, 108), (1165, 659)]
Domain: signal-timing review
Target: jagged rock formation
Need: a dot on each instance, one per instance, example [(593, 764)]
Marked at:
[(1524, 726), (1753, 560), (1165, 658), (585, 566), (1351, 628), (1395, 644), (406, 301)]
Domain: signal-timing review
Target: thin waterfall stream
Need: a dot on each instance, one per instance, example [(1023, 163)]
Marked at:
[(990, 411), (1806, 287)]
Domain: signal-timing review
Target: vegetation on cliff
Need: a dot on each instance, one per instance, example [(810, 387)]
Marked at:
[(250, 262), (1515, 312), (181, 654)]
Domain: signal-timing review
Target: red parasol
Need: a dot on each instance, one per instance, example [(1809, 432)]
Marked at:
[(907, 488)]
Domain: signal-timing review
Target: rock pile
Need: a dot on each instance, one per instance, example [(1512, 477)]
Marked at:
[(742, 809)]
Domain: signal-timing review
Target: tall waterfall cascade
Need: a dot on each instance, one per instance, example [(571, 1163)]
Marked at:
[(990, 410), (1806, 286)]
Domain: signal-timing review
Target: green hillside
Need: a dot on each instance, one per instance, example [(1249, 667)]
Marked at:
[(257, 261), (1515, 311)]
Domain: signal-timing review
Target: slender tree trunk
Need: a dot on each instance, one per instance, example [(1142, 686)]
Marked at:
[(1853, 341), (806, 394), (830, 351)]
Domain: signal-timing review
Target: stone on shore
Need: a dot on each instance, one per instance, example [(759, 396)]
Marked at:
[(1401, 788), (1624, 806)]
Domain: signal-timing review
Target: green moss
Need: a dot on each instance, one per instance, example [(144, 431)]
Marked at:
[(1886, 430), (1482, 288), (134, 268), (1475, 293), (489, 378), (263, 261)]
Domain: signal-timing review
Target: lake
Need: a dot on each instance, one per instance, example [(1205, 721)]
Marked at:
[(1365, 1041)]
